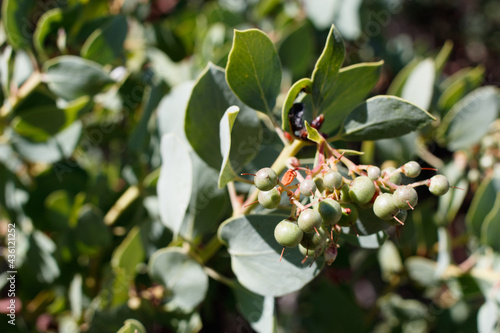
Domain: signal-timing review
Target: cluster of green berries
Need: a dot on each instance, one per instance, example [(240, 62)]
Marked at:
[(333, 200)]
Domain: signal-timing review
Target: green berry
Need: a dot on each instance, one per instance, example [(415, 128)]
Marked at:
[(405, 197), (438, 185), (313, 240), (270, 199), (349, 215), (395, 178), (332, 180), (318, 180), (265, 179), (287, 233), (384, 207), (373, 172), (330, 211), (307, 187), (401, 216), (310, 219), (362, 189), (344, 193), (309, 252), (330, 254), (411, 169)]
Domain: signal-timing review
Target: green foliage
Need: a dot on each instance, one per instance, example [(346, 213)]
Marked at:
[(134, 136)]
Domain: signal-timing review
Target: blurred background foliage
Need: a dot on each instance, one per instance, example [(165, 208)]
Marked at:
[(88, 87)]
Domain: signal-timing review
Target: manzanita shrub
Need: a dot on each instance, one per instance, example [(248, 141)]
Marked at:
[(214, 166), (289, 216)]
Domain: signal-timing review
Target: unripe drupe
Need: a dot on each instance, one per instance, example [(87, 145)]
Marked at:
[(270, 199), (332, 180), (330, 211), (310, 220), (265, 179), (349, 215), (307, 187), (439, 185), (411, 169), (362, 189), (405, 197), (287, 233), (384, 207)]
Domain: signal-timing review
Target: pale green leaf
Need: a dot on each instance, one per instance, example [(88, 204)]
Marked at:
[(255, 256), (175, 181), (185, 280), (383, 117), (227, 172), (419, 86)]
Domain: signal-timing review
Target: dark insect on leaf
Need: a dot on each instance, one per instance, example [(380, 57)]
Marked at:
[(295, 115)]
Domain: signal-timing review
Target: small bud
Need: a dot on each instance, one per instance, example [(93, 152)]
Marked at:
[(330, 254)]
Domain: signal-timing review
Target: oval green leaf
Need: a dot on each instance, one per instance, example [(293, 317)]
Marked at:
[(459, 84), (351, 87), (326, 70), (419, 86), (383, 117), (296, 49), (52, 150), (255, 256), (71, 77), (257, 309), (40, 123), (105, 45), (174, 183), (185, 280), (468, 121), (128, 254), (210, 98), (15, 18), (482, 204), (253, 69), (208, 203)]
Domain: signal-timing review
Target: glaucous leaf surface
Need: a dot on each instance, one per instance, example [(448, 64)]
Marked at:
[(71, 77), (185, 280), (383, 117), (467, 122), (175, 182), (419, 86), (257, 309), (255, 256), (54, 149)]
